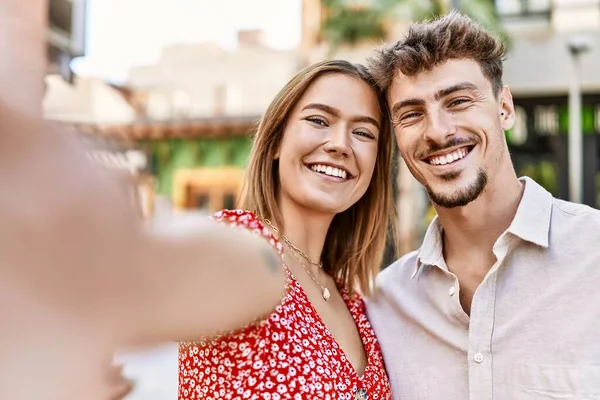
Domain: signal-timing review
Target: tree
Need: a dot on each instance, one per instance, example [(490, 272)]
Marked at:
[(348, 22)]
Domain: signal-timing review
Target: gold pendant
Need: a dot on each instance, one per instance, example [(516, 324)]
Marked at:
[(326, 294)]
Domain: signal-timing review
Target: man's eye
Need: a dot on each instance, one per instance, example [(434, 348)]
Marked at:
[(458, 102), (409, 116)]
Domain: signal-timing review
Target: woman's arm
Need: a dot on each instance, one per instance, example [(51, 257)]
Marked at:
[(78, 274), (203, 278)]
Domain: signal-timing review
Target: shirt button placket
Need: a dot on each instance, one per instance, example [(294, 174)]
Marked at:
[(480, 339), (452, 290)]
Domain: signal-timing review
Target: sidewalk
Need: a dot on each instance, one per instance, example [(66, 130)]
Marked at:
[(154, 372)]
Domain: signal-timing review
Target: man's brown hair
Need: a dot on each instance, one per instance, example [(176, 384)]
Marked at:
[(431, 43)]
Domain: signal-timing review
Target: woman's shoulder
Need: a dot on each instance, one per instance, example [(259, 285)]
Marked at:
[(241, 217), (249, 220)]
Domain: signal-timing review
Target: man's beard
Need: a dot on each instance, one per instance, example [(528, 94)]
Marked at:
[(461, 197)]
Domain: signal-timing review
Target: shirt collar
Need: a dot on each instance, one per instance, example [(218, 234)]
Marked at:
[(532, 220), (531, 223), (430, 252)]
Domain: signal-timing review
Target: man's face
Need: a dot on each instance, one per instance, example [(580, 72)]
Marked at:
[(450, 127)]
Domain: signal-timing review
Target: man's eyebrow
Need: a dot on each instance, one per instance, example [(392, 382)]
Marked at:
[(438, 95), (455, 88)]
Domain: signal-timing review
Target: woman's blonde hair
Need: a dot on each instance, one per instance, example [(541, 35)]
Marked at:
[(356, 239)]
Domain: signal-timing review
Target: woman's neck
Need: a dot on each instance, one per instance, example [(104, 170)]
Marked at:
[(305, 229)]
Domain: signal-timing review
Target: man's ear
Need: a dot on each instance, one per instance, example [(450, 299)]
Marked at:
[(507, 109)]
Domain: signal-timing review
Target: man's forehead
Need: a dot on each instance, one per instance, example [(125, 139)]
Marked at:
[(427, 83)]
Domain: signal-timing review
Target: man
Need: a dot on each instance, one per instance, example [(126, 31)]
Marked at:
[(502, 300)]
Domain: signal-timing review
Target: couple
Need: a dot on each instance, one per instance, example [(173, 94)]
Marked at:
[(501, 301)]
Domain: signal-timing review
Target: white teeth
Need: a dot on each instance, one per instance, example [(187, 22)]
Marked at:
[(328, 170), (448, 158)]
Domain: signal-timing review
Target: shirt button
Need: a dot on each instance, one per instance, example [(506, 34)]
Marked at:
[(361, 394), (478, 357), (452, 290)]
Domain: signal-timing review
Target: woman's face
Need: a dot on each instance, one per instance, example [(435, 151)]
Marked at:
[(329, 147)]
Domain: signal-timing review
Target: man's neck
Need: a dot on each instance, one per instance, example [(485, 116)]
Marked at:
[(470, 233), (477, 226)]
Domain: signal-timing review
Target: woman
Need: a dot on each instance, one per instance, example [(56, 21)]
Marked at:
[(318, 182)]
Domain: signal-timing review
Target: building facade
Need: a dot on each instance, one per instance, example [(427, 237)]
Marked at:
[(540, 68), (193, 112)]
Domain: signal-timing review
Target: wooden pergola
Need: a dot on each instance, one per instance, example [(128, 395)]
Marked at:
[(190, 185), (213, 127)]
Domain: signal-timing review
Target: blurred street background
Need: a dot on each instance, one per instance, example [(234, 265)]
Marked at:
[(168, 92)]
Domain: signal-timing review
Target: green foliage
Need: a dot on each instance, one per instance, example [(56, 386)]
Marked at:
[(484, 12), (347, 23), (588, 119), (351, 26), (169, 155), (544, 173)]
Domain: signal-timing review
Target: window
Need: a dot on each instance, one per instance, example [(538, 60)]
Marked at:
[(203, 202), (518, 134), (523, 8), (546, 120), (207, 189), (229, 201)]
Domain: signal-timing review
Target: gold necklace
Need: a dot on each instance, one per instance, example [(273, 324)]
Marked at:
[(324, 291), (292, 246), (287, 241), (295, 250)]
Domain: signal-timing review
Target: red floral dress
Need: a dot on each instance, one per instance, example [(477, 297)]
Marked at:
[(289, 355)]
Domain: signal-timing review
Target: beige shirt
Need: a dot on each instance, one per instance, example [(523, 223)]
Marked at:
[(534, 330)]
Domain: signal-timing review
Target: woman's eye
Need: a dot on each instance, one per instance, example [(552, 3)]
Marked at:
[(317, 120), (365, 134)]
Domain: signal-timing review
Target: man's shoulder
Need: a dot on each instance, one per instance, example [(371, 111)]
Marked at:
[(392, 285), (399, 272), (568, 217), (575, 209), (573, 230)]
